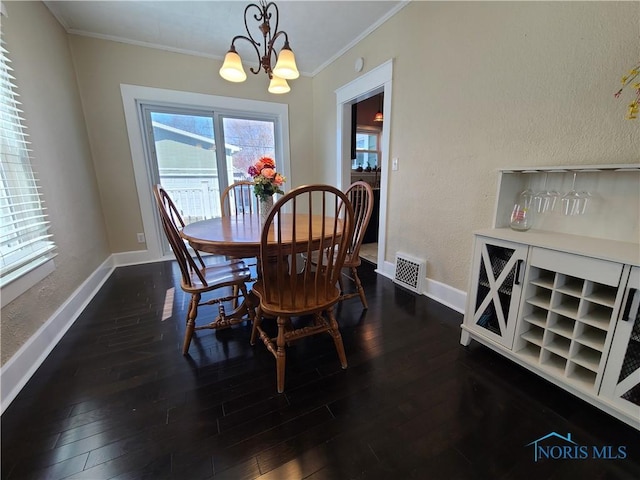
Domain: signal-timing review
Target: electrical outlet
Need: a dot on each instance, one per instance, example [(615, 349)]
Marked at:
[(394, 163), (141, 238)]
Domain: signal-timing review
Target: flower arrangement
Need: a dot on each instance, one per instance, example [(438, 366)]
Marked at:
[(266, 180), (630, 79)]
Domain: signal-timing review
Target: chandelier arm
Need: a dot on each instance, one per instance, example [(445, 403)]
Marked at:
[(258, 17), (255, 46), (277, 18), (272, 50), (263, 16), (276, 36)]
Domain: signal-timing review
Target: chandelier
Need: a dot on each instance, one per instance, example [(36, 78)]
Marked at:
[(285, 66)]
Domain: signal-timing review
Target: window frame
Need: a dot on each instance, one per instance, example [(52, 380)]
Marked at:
[(38, 264), (372, 131)]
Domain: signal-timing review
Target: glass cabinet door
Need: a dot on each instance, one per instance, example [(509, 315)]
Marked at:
[(495, 295), (621, 382)]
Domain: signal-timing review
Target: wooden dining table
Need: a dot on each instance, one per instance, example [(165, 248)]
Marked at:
[(239, 236)]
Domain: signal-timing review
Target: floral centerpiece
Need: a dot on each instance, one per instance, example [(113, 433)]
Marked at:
[(631, 79), (266, 182)]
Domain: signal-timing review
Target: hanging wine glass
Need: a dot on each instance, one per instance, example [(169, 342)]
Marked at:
[(545, 199), (574, 202), (585, 198), (526, 196)]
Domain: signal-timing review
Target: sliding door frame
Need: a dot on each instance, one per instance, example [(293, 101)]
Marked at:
[(133, 96)]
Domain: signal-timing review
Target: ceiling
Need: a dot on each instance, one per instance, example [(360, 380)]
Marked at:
[(319, 31)]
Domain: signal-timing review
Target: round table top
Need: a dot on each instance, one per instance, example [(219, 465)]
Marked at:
[(239, 235)]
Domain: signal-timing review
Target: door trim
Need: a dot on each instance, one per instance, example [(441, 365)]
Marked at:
[(379, 79)]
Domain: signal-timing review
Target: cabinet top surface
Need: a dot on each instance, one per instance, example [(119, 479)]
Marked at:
[(615, 251), (573, 168)]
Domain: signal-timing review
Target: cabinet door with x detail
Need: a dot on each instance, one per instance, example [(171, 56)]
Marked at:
[(496, 287), (621, 382)]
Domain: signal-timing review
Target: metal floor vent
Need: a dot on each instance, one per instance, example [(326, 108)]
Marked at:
[(410, 272)]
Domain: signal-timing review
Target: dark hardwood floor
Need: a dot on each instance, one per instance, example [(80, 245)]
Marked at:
[(116, 399)]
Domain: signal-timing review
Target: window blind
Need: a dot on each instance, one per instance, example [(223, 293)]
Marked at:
[(25, 241)]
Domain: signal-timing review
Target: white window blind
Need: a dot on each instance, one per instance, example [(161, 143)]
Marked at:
[(25, 241)]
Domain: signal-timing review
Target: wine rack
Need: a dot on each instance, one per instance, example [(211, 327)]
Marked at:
[(567, 323)]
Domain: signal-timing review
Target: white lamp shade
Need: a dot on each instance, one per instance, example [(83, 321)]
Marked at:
[(278, 85), (286, 65), (231, 69)]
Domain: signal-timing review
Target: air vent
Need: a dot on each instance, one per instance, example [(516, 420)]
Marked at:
[(410, 272)]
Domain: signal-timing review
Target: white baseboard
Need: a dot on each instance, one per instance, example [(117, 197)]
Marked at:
[(138, 257), (446, 295), (132, 258), (17, 371), (440, 292)]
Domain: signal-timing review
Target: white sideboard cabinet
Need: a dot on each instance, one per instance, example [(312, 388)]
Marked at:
[(564, 302)]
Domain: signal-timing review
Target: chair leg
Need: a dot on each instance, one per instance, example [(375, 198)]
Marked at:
[(341, 284), (356, 279), (251, 313), (191, 322), (256, 324), (280, 354), (234, 302), (337, 338)]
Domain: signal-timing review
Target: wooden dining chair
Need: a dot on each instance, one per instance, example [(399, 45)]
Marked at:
[(199, 278), (360, 196), (238, 198), (286, 290)]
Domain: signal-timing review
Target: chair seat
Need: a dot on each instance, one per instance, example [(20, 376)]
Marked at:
[(317, 300), (233, 272)]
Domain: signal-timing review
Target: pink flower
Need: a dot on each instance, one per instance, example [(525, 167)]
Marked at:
[(279, 179), (268, 172)]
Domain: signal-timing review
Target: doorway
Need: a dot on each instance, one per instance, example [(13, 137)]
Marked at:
[(366, 164), (375, 82)]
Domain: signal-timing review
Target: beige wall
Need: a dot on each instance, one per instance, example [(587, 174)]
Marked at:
[(47, 85), (483, 85), (103, 65)]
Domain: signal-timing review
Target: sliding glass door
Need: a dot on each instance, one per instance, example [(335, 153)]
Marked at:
[(195, 154)]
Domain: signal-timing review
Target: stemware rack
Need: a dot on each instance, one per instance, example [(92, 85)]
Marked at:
[(612, 212)]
